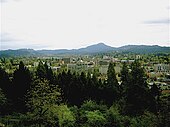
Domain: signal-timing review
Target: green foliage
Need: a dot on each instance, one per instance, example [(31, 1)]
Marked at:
[(115, 119), (45, 72), (137, 95), (164, 104), (112, 90), (91, 113), (88, 100), (95, 118), (138, 75), (66, 117), (42, 98), (155, 91), (41, 71), (125, 78), (112, 81), (146, 120), (22, 80), (5, 82), (3, 99), (92, 106)]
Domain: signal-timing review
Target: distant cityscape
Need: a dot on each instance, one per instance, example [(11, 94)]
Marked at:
[(156, 66), (97, 86)]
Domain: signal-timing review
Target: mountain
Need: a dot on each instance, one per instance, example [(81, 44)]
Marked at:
[(144, 49), (97, 48), (19, 52)]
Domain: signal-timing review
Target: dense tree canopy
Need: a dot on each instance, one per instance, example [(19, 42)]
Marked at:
[(112, 89), (137, 94), (22, 80), (41, 98)]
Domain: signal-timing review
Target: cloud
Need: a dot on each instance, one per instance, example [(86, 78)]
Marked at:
[(5, 37), (7, 41), (162, 21), (3, 1)]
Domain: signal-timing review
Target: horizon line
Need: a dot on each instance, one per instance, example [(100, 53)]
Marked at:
[(82, 47)]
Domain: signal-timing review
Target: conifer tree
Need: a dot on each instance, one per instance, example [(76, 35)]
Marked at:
[(41, 99), (155, 91), (22, 80), (111, 76), (137, 98), (125, 79), (5, 83), (3, 101), (41, 71), (112, 88)]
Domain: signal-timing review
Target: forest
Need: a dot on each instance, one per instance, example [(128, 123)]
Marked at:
[(45, 99)]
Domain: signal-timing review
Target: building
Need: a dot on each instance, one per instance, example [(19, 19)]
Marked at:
[(36, 64), (138, 57), (103, 69), (164, 68), (79, 67), (56, 68), (71, 67), (66, 60)]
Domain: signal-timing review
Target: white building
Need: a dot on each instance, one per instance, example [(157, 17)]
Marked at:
[(104, 68), (79, 67), (162, 68)]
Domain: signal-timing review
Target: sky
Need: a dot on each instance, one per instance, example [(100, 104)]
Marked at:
[(72, 24)]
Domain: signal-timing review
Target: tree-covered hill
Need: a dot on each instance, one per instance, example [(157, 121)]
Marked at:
[(97, 48)]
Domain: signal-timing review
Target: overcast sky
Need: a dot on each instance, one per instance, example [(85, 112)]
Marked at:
[(68, 24)]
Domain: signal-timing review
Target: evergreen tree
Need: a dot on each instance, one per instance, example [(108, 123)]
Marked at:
[(82, 83), (3, 101), (91, 87), (112, 88), (88, 87), (41, 99), (155, 91), (5, 83), (76, 94), (5, 91), (41, 71), (49, 74), (138, 75), (44, 71), (111, 76), (22, 80), (155, 94), (125, 79), (137, 98)]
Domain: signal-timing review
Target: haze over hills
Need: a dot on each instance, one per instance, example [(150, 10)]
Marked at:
[(96, 48)]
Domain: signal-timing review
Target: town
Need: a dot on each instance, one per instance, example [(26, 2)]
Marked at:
[(65, 90), (157, 67)]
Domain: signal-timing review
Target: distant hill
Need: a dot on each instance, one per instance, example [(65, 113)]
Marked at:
[(144, 49), (100, 47), (97, 48), (19, 52)]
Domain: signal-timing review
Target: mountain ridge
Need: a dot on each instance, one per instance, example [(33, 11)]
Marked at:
[(95, 48)]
